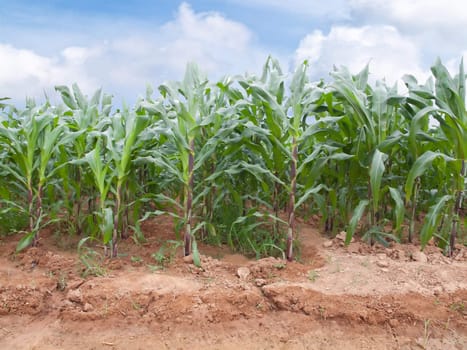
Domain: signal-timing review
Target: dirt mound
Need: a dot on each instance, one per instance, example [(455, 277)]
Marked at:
[(354, 297)]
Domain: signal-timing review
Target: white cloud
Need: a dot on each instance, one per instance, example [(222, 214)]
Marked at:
[(453, 64), (79, 55), (415, 13), (389, 54), (125, 64), (438, 27), (216, 43), (26, 73), (123, 54)]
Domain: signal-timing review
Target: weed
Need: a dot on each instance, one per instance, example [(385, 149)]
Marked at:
[(426, 333), (92, 262), (313, 275), (136, 259), (271, 275), (105, 308), (457, 306), (61, 282), (280, 266), (366, 262), (136, 306), (446, 325), (154, 268), (166, 253), (322, 312), (12, 221)]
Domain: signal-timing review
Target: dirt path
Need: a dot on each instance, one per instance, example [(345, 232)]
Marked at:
[(336, 297)]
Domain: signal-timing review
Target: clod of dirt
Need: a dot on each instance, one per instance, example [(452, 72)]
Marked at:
[(354, 248), (419, 256), (243, 273), (88, 307), (382, 263), (75, 296), (341, 237), (75, 283), (188, 259), (260, 282), (328, 244), (396, 254), (266, 268)]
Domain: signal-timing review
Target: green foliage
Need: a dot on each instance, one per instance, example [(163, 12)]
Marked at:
[(12, 221), (233, 161), (91, 259), (166, 253)]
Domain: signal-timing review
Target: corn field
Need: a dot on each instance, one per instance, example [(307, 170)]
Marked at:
[(237, 160)]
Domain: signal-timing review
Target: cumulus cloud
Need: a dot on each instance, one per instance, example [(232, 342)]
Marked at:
[(123, 54), (389, 54), (26, 73), (210, 39), (395, 37), (438, 27), (415, 13), (124, 64)]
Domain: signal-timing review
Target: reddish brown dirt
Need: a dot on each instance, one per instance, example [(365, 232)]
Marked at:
[(353, 297)]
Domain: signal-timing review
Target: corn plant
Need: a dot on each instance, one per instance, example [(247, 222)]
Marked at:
[(366, 131), (84, 117), (285, 121), (450, 112), (237, 160), (189, 122), (32, 140)]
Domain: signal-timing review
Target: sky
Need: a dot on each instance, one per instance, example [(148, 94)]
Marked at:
[(121, 46)]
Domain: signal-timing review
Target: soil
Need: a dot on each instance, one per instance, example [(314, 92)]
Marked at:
[(355, 297)]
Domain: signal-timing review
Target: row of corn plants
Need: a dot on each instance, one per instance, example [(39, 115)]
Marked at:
[(235, 161)]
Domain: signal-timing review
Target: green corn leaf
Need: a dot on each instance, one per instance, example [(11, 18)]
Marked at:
[(376, 174), (419, 168), (432, 219), (107, 225), (399, 208), (26, 241), (255, 170), (195, 252), (67, 97), (308, 193), (357, 215), (80, 99)]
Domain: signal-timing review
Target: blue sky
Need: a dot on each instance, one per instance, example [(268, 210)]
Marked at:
[(124, 45)]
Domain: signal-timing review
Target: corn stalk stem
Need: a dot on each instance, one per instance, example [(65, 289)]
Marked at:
[(291, 209), (118, 202), (38, 215), (31, 209), (275, 201), (189, 198), (79, 200), (457, 208), (371, 215), (414, 209)]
